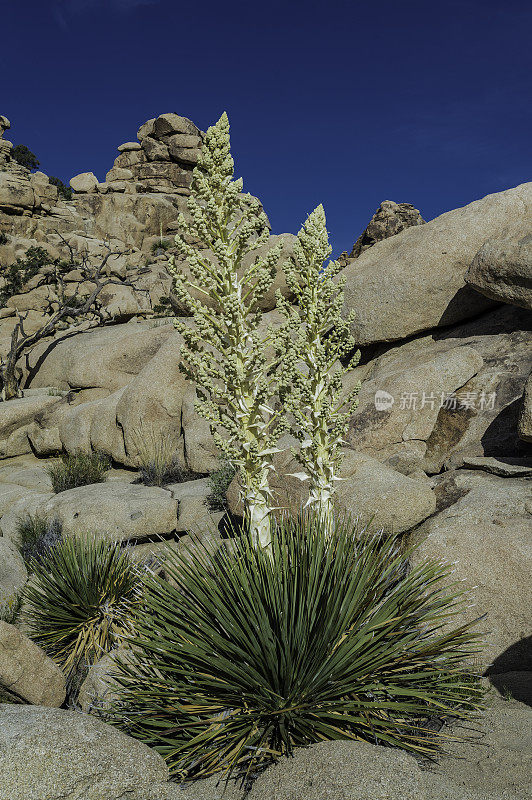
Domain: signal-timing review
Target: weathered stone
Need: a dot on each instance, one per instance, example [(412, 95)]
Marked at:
[(15, 416), (128, 146), (484, 528), (84, 182), (10, 494), (118, 174), (185, 155), (492, 764), (105, 357), (116, 510), (502, 270), (525, 417), (63, 755), (146, 129), (511, 469), (28, 472), (155, 151), (42, 298), (485, 420), (30, 503), (26, 670), (13, 572), (400, 398), (418, 275), (98, 690), (342, 770), (194, 515), (16, 194), (129, 159), (390, 218), (173, 123), (182, 140), (4, 125)]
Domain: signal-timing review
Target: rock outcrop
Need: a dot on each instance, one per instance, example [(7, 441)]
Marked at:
[(415, 281), (390, 218), (502, 270)]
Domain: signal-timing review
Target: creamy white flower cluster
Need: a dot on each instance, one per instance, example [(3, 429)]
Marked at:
[(240, 371)]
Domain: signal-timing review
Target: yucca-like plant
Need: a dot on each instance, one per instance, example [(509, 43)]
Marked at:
[(82, 600), (225, 354), (313, 376), (325, 637)]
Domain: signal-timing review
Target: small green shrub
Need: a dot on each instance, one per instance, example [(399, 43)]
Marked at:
[(18, 274), (82, 600), (78, 469), (219, 484), (64, 191), (10, 608), (3, 238), (237, 662), (36, 535), (158, 459), (23, 156), (162, 244)]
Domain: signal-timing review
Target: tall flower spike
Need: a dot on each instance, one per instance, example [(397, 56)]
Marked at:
[(225, 354), (312, 389)]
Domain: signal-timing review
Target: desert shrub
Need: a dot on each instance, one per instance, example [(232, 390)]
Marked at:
[(23, 156), (219, 484), (36, 535), (82, 600), (18, 274), (78, 469), (3, 238), (158, 459), (64, 191), (10, 608), (238, 662), (162, 244)]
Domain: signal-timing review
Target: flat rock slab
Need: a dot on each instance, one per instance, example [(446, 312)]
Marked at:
[(65, 755), (497, 467), (484, 528), (35, 478), (117, 510)]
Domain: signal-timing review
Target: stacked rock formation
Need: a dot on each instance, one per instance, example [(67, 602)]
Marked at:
[(389, 219), (22, 192), (161, 161)]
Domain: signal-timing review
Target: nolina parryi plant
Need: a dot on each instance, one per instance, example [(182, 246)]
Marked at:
[(313, 392), (225, 354)]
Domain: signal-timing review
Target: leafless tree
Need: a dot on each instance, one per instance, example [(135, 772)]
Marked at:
[(69, 307)]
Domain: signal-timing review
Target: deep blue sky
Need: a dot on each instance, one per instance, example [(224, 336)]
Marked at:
[(342, 102)]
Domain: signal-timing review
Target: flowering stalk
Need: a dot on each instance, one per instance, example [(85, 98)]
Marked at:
[(225, 354), (313, 389)]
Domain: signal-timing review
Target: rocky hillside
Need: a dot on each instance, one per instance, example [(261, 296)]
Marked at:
[(439, 448)]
